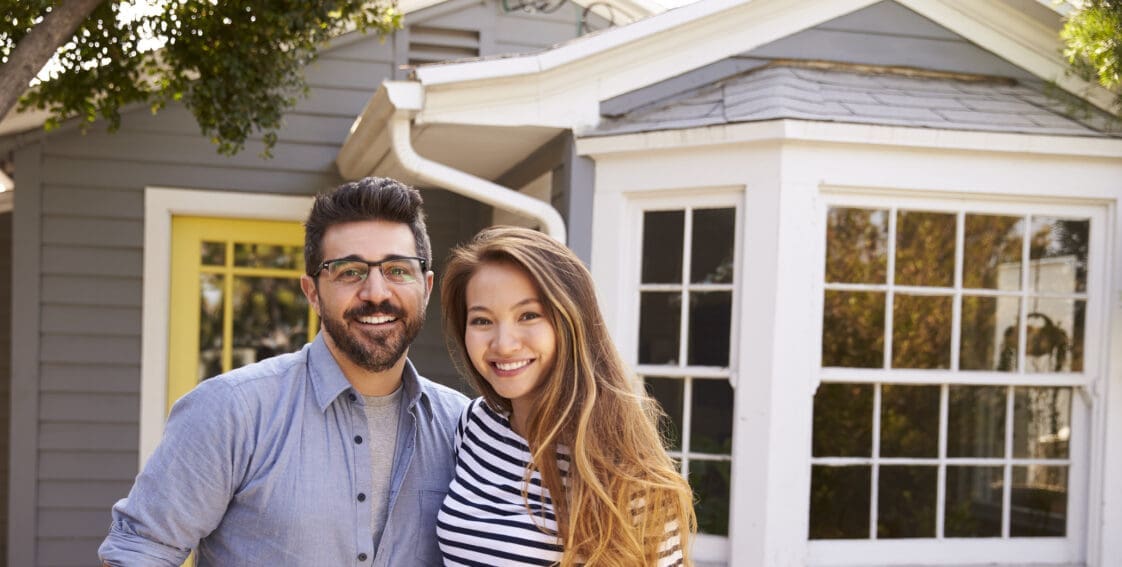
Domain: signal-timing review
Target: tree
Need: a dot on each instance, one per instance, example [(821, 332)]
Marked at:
[(1093, 44), (235, 64)]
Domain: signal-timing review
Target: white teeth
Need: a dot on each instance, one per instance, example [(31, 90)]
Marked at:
[(377, 320), (508, 366)]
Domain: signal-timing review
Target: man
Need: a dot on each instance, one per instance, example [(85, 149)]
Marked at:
[(339, 454)]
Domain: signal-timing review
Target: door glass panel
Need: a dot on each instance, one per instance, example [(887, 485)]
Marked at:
[(663, 234), (250, 255), (856, 245), (669, 394), (710, 326), (1054, 335), (853, 329), (989, 333), (925, 245), (1038, 507), (711, 250), (213, 253), (992, 254), (1041, 422), (843, 420), (909, 421), (270, 318), (660, 316), (973, 506), (906, 505), (839, 502), (921, 331), (1058, 252), (711, 481), (211, 291), (976, 421)]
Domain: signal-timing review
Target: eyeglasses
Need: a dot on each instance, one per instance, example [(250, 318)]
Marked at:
[(348, 271)]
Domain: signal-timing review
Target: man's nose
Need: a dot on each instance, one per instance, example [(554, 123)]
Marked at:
[(375, 288)]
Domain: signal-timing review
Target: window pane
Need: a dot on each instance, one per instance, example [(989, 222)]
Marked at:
[(710, 324), (856, 245), (909, 421), (992, 255), (1058, 255), (853, 329), (906, 502), (1041, 423), (710, 482), (213, 253), (925, 248), (976, 421), (270, 318), (839, 502), (843, 420), (1039, 504), (921, 331), (662, 246), (711, 421), (268, 256), (973, 502), (989, 333), (660, 322), (669, 394), (711, 251), (210, 325), (1054, 335)]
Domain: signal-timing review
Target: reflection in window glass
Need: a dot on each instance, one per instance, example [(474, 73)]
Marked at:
[(1054, 335), (909, 421), (989, 333), (669, 394), (853, 329), (710, 325), (1058, 255), (270, 318), (1041, 422), (712, 247), (210, 325), (925, 245), (1038, 507), (839, 502), (906, 502), (253, 255), (663, 246), (992, 255), (921, 331), (213, 253), (973, 505), (660, 318), (843, 420), (976, 421), (711, 482), (711, 427), (856, 245)]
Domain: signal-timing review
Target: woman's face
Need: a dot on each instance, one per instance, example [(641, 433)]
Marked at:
[(508, 338)]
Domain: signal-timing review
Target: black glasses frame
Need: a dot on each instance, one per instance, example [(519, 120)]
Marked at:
[(372, 265)]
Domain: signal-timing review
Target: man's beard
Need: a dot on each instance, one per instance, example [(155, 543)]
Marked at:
[(376, 354)]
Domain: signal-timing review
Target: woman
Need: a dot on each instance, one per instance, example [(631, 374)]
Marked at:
[(559, 461)]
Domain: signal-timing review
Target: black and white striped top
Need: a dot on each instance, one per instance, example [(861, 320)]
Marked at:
[(483, 521)]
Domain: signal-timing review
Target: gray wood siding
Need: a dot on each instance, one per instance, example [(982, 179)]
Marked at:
[(80, 210), (5, 370)]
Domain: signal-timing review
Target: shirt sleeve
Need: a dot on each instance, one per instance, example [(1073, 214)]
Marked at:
[(461, 427), (188, 482)]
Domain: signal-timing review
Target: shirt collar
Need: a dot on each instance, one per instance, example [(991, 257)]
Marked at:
[(329, 382)]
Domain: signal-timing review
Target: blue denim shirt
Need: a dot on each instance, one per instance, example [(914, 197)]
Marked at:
[(267, 465)]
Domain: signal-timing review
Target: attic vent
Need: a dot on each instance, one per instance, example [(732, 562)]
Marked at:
[(432, 44)]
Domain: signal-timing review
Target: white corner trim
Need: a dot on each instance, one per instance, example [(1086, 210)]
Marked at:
[(160, 205)]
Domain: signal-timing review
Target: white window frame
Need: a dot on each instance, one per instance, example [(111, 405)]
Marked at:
[(1086, 400), (706, 548)]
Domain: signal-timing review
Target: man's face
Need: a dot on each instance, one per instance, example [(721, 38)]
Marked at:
[(371, 323)]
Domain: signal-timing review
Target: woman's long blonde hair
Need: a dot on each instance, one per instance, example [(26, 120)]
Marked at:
[(623, 491)]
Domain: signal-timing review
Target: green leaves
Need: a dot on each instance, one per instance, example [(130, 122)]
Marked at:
[(236, 64), (1093, 38)]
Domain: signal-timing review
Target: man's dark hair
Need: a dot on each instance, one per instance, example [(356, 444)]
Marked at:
[(370, 198)]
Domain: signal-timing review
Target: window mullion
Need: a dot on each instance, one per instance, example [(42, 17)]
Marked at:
[(1022, 313), (956, 299), (1007, 470), (941, 474), (874, 476), (684, 329), (889, 295)]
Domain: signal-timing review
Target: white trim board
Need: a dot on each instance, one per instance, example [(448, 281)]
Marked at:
[(160, 205)]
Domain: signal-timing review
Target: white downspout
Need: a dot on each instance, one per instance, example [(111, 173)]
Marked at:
[(466, 184)]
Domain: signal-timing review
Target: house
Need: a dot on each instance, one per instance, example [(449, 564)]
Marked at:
[(865, 253), (122, 249)]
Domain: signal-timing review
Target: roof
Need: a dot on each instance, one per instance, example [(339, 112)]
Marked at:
[(857, 94)]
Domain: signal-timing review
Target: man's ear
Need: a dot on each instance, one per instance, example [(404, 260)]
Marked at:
[(308, 285), (430, 277)]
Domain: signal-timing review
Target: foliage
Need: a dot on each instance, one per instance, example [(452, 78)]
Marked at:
[(236, 64), (1093, 38)]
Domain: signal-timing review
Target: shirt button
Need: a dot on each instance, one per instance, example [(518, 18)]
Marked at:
[(361, 497), (352, 397), (362, 557), (358, 439)]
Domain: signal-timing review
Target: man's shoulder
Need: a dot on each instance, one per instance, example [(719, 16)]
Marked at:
[(263, 376)]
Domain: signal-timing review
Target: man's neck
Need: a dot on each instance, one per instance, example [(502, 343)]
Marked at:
[(367, 382)]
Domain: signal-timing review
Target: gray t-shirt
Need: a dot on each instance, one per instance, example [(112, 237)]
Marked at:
[(381, 418)]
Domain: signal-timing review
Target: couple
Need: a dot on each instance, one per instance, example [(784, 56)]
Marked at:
[(342, 453)]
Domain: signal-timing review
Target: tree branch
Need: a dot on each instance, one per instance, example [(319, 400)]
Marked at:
[(37, 47)]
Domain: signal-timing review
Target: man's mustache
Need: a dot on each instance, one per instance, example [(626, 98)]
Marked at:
[(369, 309)]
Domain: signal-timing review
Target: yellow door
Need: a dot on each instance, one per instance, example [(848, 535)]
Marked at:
[(235, 297)]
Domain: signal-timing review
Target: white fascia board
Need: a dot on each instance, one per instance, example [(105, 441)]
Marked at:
[(367, 141), (1013, 36), (832, 132)]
